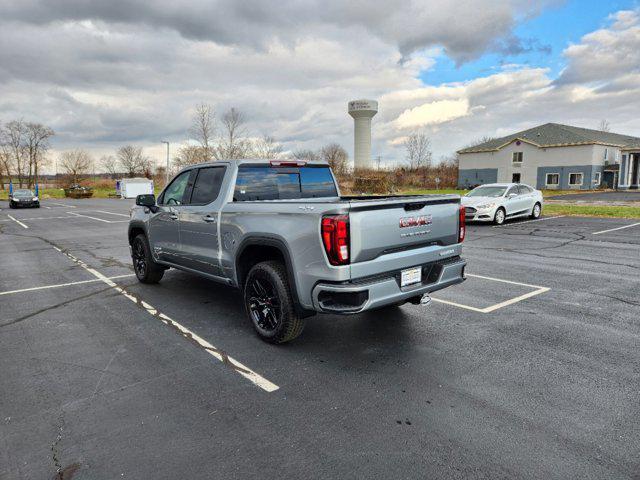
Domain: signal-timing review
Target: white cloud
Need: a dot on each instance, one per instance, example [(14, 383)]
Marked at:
[(433, 113)]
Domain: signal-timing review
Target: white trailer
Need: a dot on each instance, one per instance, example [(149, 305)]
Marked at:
[(132, 187)]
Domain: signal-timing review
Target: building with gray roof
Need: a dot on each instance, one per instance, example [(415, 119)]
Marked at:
[(554, 156)]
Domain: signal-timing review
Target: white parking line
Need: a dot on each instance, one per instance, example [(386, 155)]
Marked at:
[(17, 221), (504, 281), (58, 285), (238, 367), (28, 219), (96, 218), (528, 221), (614, 229), (62, 204), (113, 213), (538, 290)]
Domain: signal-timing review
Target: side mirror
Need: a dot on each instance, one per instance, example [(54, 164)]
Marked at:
[(146, 200)]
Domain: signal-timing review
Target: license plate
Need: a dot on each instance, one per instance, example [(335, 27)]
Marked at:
[(410, 276)]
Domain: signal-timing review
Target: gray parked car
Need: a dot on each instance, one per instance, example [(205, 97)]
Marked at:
[(281, 232)]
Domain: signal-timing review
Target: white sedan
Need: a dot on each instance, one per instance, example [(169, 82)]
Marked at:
[(497, 202)]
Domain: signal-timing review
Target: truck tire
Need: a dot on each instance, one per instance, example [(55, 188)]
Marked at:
[(146, 269), (269, 303)]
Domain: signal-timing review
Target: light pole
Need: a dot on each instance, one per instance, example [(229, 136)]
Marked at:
[(166, 182)]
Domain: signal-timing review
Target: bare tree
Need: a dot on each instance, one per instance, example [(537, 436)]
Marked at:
[(5, 169), (418, 150), (336, 157), (266, 147), (13, 140), (232, 142), (37, 143), (75, 163), (479, 141), (190, 155), (203, 128), (109, 164), (133, 161), (604, 126), (305, 154)]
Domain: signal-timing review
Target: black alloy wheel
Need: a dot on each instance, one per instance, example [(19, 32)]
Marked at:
[(269, 303), (264, 303)]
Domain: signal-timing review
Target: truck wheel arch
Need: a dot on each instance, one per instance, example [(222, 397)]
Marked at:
[(256, 249)]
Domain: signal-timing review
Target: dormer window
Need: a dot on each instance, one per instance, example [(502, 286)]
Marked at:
[(517, 158)]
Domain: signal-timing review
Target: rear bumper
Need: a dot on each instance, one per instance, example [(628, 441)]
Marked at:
[(385, 289)]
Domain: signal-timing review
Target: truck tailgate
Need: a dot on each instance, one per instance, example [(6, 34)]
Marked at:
[(378, 227)]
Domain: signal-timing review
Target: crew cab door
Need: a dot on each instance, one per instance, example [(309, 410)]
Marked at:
[(199, 242), (164, 230)]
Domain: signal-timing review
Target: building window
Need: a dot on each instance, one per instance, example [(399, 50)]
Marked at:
[(553, 179), (575, 179), (517, 157), (515, 178), (596, 178)]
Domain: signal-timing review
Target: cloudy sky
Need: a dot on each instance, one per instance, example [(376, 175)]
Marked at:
[(103, 74)]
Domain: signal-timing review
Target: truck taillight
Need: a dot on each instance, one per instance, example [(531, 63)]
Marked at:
[(335, 238), (462, 226)]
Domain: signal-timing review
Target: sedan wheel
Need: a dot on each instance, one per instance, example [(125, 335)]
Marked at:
[(537, 210), (499, 217)]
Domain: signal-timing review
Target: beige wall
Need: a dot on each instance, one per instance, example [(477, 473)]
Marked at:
[(534, 157)]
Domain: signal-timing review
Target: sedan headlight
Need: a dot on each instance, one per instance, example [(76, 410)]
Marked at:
[(486, 206), (35, 199)]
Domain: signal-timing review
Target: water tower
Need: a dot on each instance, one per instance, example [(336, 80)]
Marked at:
[(362, 112)]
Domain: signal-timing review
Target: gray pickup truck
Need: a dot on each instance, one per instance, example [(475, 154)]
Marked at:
[(281, 232)]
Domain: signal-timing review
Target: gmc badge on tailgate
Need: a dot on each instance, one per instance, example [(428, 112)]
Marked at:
[(415, 221)]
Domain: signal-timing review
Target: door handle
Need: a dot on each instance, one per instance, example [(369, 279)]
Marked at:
[(209, 219)]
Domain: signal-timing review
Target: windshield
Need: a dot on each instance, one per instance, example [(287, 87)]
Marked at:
[(487, 192), (23, 193)]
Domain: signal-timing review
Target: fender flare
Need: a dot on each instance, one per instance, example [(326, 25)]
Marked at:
[(278, 243)]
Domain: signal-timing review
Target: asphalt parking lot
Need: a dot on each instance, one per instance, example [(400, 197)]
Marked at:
[(530, 369)]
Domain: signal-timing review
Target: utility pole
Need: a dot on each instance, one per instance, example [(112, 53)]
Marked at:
[(166, 182)]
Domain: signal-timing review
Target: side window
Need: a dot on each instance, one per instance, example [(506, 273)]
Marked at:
[(174, 194), (207, 185), (524, 190), (513, 189)]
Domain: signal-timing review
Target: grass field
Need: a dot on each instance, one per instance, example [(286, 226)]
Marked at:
[(592, 210)]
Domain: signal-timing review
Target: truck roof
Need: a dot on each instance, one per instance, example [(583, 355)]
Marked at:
[(258, 160)]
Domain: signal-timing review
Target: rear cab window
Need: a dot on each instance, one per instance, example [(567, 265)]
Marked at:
[(268, 182)]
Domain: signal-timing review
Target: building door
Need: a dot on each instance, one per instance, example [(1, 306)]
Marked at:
[(608, 180), (515, 177)]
